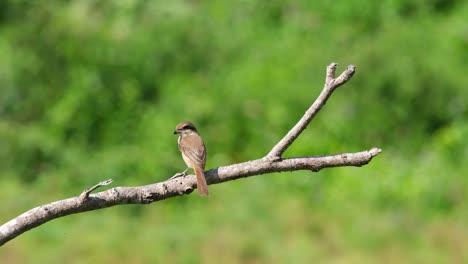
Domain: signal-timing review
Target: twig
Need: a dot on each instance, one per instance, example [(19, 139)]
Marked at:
[(85, 194), (330, 85), (273, 162)]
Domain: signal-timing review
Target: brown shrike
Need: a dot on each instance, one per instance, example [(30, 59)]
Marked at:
[(193, 152)]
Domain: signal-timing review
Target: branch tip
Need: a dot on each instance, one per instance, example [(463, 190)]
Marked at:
[(375, 151), (331, 69), (345, 76)]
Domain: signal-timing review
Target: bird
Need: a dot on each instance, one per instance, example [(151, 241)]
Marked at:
[(193, 152)]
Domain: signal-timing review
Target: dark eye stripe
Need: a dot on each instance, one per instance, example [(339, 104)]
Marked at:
[(189, 127)]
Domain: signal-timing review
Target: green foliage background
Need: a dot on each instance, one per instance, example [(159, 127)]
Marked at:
[(91, 90)]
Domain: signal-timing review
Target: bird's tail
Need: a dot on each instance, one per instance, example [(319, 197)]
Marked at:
[(201, 181)]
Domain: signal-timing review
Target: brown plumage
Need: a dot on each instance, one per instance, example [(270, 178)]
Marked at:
[(193, 152)]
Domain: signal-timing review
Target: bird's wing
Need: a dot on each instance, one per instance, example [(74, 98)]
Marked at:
[(194, 149)]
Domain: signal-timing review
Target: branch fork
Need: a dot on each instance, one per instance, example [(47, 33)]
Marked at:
[(272, 162)]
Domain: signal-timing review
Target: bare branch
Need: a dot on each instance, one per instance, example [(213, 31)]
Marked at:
[(185, 185), (330, 85), (173, 187), (85, 194)]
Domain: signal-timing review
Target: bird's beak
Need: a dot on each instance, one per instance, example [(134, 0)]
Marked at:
[(175, 132)]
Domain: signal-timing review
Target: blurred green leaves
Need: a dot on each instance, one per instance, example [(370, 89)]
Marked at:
[(91, 90)]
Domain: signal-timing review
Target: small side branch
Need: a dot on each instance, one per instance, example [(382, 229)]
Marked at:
[(85, 194), (330, 85)]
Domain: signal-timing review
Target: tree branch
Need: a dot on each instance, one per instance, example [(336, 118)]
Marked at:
[(330, 85), (184, 185)]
